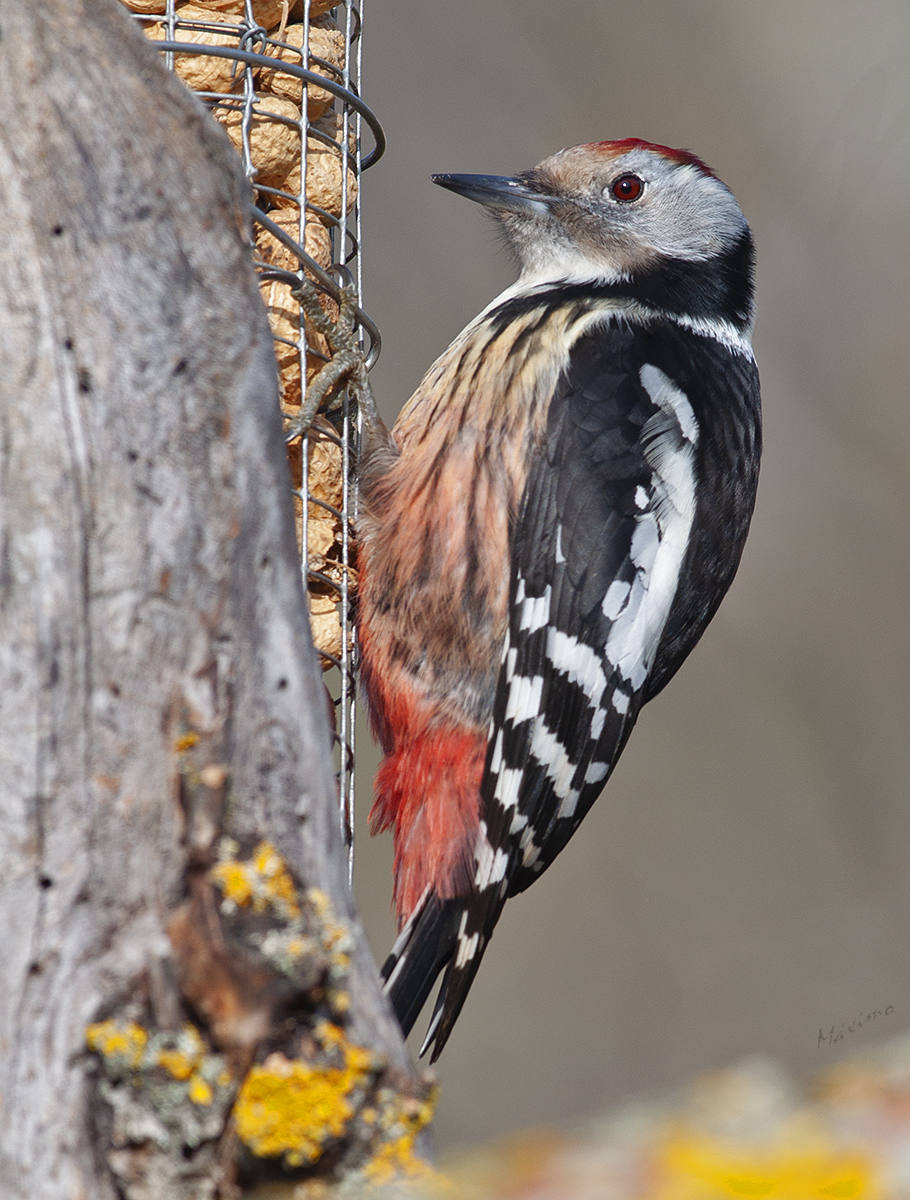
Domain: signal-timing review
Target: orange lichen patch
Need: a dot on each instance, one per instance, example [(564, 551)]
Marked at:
[(186, 742), (292, 1110), (125, 1041), (690, 1167), (263, 882)]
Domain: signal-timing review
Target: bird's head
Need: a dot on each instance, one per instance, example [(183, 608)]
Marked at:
[(609, 211)]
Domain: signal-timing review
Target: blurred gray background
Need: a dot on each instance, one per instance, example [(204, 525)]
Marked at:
[(743, 882)]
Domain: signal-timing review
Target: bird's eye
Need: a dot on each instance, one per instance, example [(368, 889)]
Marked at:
[(627, 188)]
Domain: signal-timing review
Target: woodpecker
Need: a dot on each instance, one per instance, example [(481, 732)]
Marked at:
[(548, 529)]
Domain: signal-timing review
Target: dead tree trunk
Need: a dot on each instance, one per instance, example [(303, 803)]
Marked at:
[(186, 991)]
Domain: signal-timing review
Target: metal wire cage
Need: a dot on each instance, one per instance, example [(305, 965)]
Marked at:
[(283, 77)]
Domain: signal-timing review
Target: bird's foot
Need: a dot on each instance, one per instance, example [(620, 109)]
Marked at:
[(346, 364)]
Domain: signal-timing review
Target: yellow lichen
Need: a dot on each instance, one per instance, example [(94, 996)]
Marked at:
[(126, 1041), (339, 1001), (290, 1109), (337, 941), (186, 742), (176, 1063), (329, 1035), (334, 935), (234, 880), (691, 1167), (182, 1059), (319, 902), (395, 1158), (181, 1055), (199, 1091), (263, 882)]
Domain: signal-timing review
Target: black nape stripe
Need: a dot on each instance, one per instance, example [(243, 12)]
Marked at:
[(719, 289), (722, 287)]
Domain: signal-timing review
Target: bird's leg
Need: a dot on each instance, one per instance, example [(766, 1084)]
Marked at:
[(345, 365)]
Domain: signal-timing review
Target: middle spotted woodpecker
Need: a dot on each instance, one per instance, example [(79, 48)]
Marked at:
[(547, 531)]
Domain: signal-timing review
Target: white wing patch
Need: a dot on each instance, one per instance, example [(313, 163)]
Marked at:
[(496, 760), (491, 864), (638, 611), (661, 536), (568, 804), (553, 757), (578, 661), (507, 786), (524, 697), (615, 599), (596, 772), (666, 395), (535, 610)]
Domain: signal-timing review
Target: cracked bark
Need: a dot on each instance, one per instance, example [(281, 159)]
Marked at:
[(158, 689)]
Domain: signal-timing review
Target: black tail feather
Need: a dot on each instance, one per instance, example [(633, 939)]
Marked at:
[(460, 971), (453, 991), (424, 946)]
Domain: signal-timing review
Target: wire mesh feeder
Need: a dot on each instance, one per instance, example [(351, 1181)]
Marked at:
[(283, 77)]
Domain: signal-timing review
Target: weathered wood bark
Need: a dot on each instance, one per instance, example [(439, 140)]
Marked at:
[(158, 690)]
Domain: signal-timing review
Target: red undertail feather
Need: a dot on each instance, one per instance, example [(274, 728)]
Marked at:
[(429, 790)]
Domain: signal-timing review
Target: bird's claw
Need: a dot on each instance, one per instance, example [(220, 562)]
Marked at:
[(347, 363)]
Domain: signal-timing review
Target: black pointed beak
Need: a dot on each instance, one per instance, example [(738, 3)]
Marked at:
[(497, 192)]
